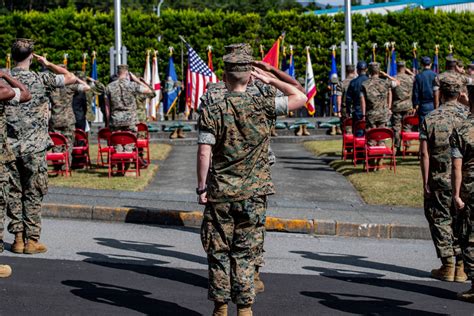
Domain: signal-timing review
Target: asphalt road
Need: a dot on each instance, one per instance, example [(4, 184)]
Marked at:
[(99, 268)]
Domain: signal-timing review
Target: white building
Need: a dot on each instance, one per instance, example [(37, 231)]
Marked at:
[(384, 8)]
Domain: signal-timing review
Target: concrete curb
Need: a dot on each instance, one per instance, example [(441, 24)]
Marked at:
[(194, 218)]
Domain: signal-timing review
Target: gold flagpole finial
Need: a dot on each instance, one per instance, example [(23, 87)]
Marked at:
[(171, 49), (451, 46)]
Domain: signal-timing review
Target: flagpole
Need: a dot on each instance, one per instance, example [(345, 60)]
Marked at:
[(348, 29), (118, 32)]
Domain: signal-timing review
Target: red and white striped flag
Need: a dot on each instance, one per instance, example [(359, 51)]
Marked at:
[(147, 77), (156, 85), (198, 76), (310, 84)]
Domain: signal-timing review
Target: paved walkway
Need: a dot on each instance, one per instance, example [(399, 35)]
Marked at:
[(306, 188)]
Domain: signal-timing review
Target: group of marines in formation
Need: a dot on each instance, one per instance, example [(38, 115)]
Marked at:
[(444, 104), (234, 176)]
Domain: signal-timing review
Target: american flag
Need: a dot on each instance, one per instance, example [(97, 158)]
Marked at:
[(198, 76)]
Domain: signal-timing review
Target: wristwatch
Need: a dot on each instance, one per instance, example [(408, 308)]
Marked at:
[(201, 191)]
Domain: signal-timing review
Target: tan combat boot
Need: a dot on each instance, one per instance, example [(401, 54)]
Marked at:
[(174, 135), (305, 131), (459, 274), (220, 309), (244, 310), (299, 132), (5, 271), (467, 296), (446, 271), (333, 130), (19, 244), (33, 246), (181, 133), (338, 130), (258, 283)]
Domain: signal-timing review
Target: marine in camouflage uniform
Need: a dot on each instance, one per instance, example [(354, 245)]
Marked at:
[(10, 93), (436, 172), (341, 92), (237, 130), (462, 152), (401, 101), (62, 118), (122, 95), (27, 126), (376, 94)]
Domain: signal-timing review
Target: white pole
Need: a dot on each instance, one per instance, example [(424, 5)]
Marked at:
[(118, 31), (348, 28)]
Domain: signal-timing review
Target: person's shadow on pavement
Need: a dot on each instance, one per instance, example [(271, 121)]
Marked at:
[(125, 297)]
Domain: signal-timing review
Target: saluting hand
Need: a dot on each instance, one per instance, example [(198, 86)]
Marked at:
[(41, 59)]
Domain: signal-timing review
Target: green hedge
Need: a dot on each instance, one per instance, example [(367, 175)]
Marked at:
[(65, 30)]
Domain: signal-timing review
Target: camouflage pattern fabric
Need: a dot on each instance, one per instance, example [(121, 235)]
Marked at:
[(4, 191), (128, 147), (341, 90), (27, 123), (375, 92), (462, 145), (231, 234), (6, 153), (436, 130), (97, 88), (62, 114), (442, 223), (67, 132), (397, 120), (241, 124), (402, 94), (453, 81), (141, 106), (122, 95), (28, 186)]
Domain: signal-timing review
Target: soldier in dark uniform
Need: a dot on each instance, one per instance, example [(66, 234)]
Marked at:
[(425, 90), (341, 92), (353, 95)]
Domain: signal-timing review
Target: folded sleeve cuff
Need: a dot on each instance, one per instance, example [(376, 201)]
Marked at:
[(206, 138)]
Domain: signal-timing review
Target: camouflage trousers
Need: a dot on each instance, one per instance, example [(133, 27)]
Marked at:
[(466, 238), (397, 118), (442, 222), (4, 188), (67, 132), (29, 184), (128, 147), (232, 235), (375, 124)]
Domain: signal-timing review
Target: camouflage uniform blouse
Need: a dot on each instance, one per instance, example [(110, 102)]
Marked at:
[(62, 114), (375, 92), (341, 90), (122, 95), (402, 94), (27, 123), (6, 154), (238, 128), (462, 146), (436, 130)]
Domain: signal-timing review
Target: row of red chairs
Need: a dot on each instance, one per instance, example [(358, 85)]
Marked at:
[(363, 148), (80, 152)]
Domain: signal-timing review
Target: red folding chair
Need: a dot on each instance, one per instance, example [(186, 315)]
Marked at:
[(358, 149), (59, 158), (80, 150), (409, 122), (379, 150), (122, 158), (144, 143), (347, 138), (103, 136)]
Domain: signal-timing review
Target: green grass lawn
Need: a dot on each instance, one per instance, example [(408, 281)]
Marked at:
[(381, 187), (97, 177)]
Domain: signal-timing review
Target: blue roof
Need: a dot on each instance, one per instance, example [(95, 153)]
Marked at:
[(412, 3)]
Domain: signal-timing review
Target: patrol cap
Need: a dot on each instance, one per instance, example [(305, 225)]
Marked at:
[(451, 84), (362, 65), (121, 68), (374, 67), (22, 48), (460, 63), (401, 63), (425, 60), (471, 65), (238, 57), (451, 61)]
